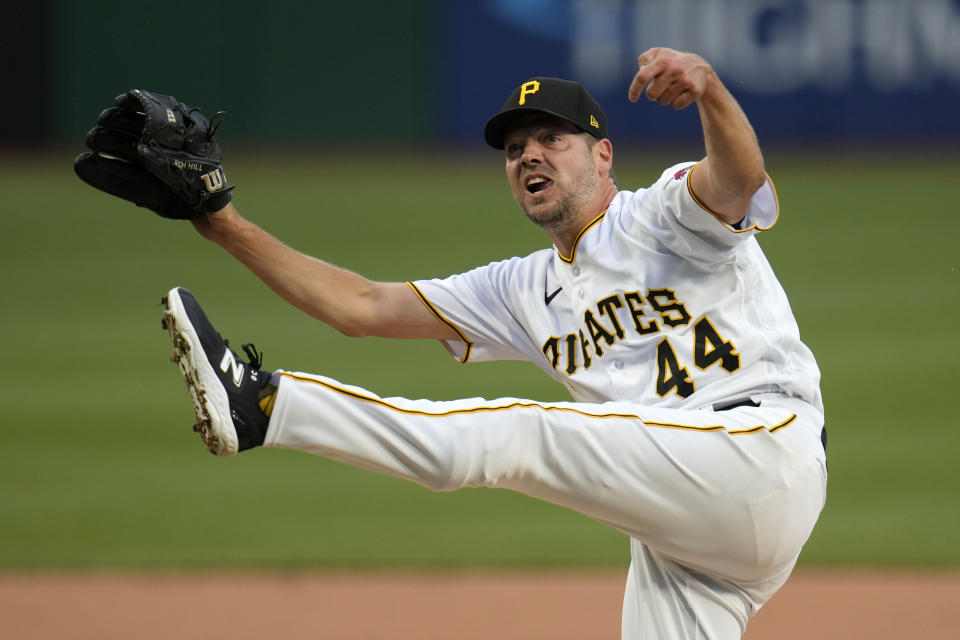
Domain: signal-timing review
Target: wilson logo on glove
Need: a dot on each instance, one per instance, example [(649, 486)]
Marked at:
[(214, 180)]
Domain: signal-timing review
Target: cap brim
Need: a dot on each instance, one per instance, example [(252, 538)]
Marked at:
[(496, 129)]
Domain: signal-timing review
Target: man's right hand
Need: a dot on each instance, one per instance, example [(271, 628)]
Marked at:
[(671, 77)]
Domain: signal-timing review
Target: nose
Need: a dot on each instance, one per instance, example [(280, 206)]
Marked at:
[(532, 153)]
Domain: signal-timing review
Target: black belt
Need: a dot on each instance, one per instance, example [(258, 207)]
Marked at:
[(739, 403)]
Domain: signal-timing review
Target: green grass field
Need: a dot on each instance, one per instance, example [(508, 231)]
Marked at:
[(99, 468)]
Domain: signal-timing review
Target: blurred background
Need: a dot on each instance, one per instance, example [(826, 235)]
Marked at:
[(432, 72), (353, 133)]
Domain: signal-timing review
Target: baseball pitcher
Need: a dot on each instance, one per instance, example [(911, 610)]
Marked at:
[(696, 425)]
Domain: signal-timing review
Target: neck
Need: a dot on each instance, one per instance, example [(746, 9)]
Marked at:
[(565, 237)]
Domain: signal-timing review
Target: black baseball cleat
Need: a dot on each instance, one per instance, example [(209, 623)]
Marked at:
[(225, 391)]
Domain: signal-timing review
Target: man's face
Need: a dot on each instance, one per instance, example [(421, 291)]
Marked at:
[(550, 169)]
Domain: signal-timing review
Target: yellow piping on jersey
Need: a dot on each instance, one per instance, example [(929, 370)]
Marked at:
[(576, 242), (533, 405), (436, 312), (720, 427), (717, 216)]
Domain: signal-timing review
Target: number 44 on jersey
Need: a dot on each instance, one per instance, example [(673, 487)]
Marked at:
[(709, 347)]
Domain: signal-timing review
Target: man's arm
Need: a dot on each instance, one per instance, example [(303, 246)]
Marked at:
[(346, 301), (732, 171)]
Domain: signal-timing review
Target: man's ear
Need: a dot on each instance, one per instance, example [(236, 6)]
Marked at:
[(603, 155)]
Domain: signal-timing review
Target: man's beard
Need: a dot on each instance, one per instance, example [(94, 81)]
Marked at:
[(558, 216), (564, 212)]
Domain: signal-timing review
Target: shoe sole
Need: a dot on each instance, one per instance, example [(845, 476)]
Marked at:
[(210, 401)]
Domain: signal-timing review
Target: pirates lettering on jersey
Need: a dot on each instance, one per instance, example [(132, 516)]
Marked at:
[(606, 308), (657, 311), (603, 328)]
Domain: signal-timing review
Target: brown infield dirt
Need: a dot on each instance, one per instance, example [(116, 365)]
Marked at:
[(453, 606)]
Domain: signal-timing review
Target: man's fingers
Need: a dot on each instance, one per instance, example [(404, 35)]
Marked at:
[(648, 70), (648, 56), (665, 87), (674, 92), (670, 77), (683, 100), (657, 89), (642, 78)]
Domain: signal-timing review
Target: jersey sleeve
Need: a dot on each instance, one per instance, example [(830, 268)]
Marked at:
[(688, 227), (477, 306)]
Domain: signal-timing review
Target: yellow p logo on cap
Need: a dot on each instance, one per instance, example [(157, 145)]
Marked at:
[(528, 89)]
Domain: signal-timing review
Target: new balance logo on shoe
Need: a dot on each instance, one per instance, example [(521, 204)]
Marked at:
[(230, 365)]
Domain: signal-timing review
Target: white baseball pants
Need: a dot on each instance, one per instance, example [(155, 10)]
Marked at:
[(717, 503)]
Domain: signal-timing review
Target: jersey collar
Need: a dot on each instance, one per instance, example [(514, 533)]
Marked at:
[(576, 242)]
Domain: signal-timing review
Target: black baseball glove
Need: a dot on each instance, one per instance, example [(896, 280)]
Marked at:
[(158, 153)]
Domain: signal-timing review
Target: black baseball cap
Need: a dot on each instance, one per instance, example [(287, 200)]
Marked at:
[(561, 98)]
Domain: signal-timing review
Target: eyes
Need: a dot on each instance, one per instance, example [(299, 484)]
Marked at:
[(550, 140)]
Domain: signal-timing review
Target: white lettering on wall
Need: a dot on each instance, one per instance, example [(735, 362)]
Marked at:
[(777, 46)]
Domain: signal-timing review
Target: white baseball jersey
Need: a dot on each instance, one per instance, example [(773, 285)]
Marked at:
[(660, 303), (660, 318)]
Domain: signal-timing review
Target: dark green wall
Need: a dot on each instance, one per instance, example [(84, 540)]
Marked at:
[(284, 71), (25, 49)]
